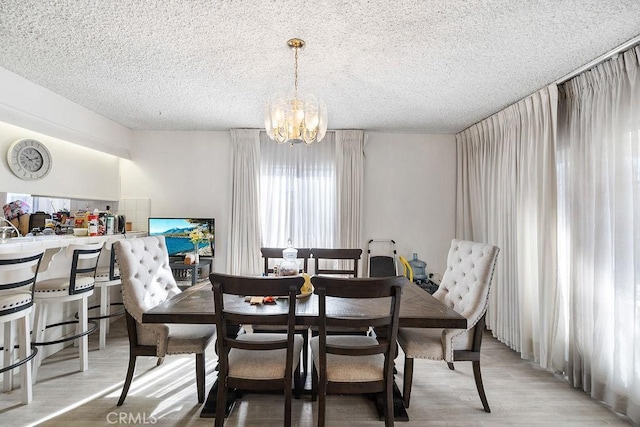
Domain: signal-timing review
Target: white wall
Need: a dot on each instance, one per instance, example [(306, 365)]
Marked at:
[(77, 172), (184, 174), (409, 194)]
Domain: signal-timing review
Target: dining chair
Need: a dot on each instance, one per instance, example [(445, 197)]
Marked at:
[(465, 288), (18, 272), (304, 254), (348, 364), (347, 264), (77, 265), (146, 282), (266, 361), (269, 254)]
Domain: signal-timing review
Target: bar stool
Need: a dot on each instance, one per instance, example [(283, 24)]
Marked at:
[(106, 277), (77, 286), (17, 278)]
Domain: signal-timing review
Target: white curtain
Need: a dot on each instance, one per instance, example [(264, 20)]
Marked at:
[(298, 194), (244, 231), (350, 176), (506, 196), (599, 230)]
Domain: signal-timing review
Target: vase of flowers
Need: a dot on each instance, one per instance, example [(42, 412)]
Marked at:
[(197, 236)]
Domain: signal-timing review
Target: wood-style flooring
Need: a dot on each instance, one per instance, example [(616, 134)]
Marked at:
[(519, 393)]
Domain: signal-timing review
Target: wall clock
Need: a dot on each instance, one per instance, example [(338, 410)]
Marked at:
[(29, 159)]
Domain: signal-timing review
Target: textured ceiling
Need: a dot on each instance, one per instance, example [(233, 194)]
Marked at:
[(433, 66)]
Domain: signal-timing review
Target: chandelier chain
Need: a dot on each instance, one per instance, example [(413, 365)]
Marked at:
[(296, 72)]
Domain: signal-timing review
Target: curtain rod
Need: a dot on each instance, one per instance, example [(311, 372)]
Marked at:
[(599, 60)]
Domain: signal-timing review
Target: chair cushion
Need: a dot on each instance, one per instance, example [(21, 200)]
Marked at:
[(189, 338), (350, 368), (102, 275), (52, 288), (262, 365), (14, 300), (421, 343)]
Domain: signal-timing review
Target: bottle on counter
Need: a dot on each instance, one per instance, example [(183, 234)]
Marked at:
[(93, 223)]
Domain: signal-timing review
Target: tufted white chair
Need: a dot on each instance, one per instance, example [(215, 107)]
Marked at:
[(465, 288), (146, 282)]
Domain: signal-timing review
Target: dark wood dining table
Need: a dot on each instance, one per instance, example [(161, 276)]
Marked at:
[(418, 309)]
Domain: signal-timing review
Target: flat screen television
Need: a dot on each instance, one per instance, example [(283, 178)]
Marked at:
[(176, 234)]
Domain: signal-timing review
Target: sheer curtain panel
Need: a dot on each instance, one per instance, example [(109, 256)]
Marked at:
[(506, 196), (244, 232), (298, 193), (599, 230)]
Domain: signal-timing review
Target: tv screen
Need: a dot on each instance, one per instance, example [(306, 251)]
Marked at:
[(176, 233)]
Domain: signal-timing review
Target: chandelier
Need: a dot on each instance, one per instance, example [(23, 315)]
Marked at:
[(295, 118)]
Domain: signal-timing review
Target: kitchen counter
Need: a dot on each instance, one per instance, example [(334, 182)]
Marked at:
[(54, 243)]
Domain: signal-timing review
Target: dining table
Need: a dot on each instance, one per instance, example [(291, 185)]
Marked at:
[(418, 309)]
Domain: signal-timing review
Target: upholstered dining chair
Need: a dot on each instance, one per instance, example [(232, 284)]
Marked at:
[(347, 364), (146, 282), (18, 272), (465, 288), (266, 361)]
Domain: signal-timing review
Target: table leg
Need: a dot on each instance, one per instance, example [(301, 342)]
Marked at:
[(399, 411), (209, 407)]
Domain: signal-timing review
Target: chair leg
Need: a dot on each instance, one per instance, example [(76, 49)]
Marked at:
[(408, 379), (200, 376), (25, 369), (478, 377), (104, 308), (450, 365), (287, 403), (314, 383), (221, 401), (322, 402), (39, 334), (83, 314), (297, 381), (127, 381), (7, 377), (388, 404), (305, 352)]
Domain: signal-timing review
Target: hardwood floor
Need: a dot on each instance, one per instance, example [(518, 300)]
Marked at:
[(519, 394)]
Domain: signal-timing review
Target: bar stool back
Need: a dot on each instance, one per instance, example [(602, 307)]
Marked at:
[(77, 286), (18, 273)]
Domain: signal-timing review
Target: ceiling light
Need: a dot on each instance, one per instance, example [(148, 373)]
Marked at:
[(294, 118)]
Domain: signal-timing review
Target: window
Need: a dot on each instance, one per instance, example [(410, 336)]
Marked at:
[(298, 193)]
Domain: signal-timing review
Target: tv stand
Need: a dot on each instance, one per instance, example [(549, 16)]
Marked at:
[(180, 269)]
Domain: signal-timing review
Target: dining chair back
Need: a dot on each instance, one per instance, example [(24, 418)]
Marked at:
[(18, 272), (346, 364), (266, 361), (464, 288), (271, 254), (146, 282), (347, 265)]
